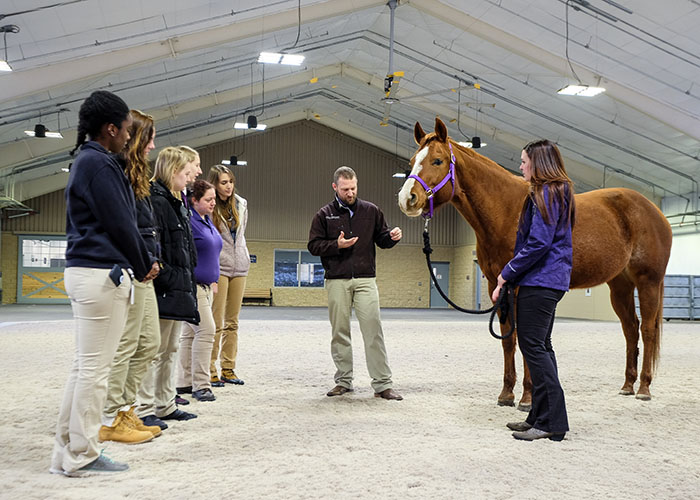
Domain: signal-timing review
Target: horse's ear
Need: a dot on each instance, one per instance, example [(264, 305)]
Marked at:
[(440, 130), (418, 133)]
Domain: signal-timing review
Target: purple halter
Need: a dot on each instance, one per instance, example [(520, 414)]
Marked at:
[(450, 177)]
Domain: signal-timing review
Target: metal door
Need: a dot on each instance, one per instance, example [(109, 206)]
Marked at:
[(442, 273)]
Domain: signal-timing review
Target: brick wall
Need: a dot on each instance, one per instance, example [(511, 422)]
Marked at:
[(8, 263)]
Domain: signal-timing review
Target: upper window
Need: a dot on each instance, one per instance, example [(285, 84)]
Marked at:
[(297, 268), (43, 253)]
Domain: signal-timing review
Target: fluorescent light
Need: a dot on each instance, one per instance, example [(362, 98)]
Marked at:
[(292, 59), (277, 58), (240, 125), (581, 90), (53, 135), (399, 175), (5, 66), (242, 163), (269, 57), (591, 91)]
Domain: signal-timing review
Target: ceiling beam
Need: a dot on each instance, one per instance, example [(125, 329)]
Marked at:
[(675, 118), (18, 152), (23, 83)]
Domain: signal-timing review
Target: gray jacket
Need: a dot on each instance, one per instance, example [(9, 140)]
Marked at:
[(235, 259)]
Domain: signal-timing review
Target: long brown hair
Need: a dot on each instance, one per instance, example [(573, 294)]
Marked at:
[(225, 213), (548, 168), (137, 168)]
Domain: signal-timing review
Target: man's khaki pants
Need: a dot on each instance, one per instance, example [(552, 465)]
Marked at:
[(362, 294)]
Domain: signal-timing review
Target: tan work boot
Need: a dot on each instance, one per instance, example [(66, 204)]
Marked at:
[(122, 432), (136, 423)]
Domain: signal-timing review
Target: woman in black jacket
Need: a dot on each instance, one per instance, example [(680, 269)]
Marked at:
[(175, 289)]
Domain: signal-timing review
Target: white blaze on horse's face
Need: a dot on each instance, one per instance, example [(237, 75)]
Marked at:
[(405, 193)]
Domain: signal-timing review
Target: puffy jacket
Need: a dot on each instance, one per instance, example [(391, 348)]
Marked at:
[(175, 285), (235, 259), (357, 261)]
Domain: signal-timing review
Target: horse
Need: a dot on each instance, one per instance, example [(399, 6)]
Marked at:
[(619, 238)]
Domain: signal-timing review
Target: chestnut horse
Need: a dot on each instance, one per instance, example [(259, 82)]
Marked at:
[(619, 238)]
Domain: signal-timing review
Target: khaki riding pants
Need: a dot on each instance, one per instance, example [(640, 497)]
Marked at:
[(362, 294), (156, 396), (99, 308), (137, 348), (196, 343), (226, 308)]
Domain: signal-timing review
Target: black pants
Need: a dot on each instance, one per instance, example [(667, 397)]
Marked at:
[(536, 307)]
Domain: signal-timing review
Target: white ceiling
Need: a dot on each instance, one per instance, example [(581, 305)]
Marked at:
[(192, 64)]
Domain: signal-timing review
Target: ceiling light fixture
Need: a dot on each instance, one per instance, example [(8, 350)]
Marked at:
[(259, 126), (41, 131), (234, 161), (581, 90), (475, 143), (280, 58), (577, 89), (8, 28)]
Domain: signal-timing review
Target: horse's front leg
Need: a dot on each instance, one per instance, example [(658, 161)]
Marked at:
[(507, 398)]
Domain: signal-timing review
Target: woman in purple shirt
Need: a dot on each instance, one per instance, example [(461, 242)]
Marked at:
[(197, 341), (541, 268)]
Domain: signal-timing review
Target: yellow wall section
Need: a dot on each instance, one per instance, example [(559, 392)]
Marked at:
[(576, 304)]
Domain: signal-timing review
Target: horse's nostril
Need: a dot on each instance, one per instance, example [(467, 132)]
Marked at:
[(412, 201)]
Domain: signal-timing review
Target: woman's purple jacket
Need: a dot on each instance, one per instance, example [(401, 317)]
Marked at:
[(543, 252)]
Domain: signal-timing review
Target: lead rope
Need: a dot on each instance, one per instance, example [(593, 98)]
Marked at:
[(504, 304)]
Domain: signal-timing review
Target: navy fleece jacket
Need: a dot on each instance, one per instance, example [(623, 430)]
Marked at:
[(101, 215)]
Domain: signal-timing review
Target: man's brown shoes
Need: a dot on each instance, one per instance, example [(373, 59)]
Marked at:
[(338, 390), (389, 394)]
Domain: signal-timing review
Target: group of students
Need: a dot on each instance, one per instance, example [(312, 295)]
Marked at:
[(155, 269)]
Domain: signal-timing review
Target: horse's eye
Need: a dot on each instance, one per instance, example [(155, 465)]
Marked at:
[(438, 161)]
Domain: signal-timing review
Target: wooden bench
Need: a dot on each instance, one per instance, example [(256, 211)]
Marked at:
[(258, 296)]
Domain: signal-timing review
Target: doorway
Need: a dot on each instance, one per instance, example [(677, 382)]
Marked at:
[(442, 273)]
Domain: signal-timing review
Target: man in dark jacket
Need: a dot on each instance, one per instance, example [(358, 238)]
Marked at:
[(344, 234)]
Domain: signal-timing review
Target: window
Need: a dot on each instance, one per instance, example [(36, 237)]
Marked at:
[(297, 268), (44, 253)]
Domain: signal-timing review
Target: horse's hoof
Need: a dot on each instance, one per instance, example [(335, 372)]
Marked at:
[(643, 397), (506, 402), (523, 407), (625, 392)]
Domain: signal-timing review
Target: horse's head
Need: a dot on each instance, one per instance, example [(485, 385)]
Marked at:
[(433, 165)]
